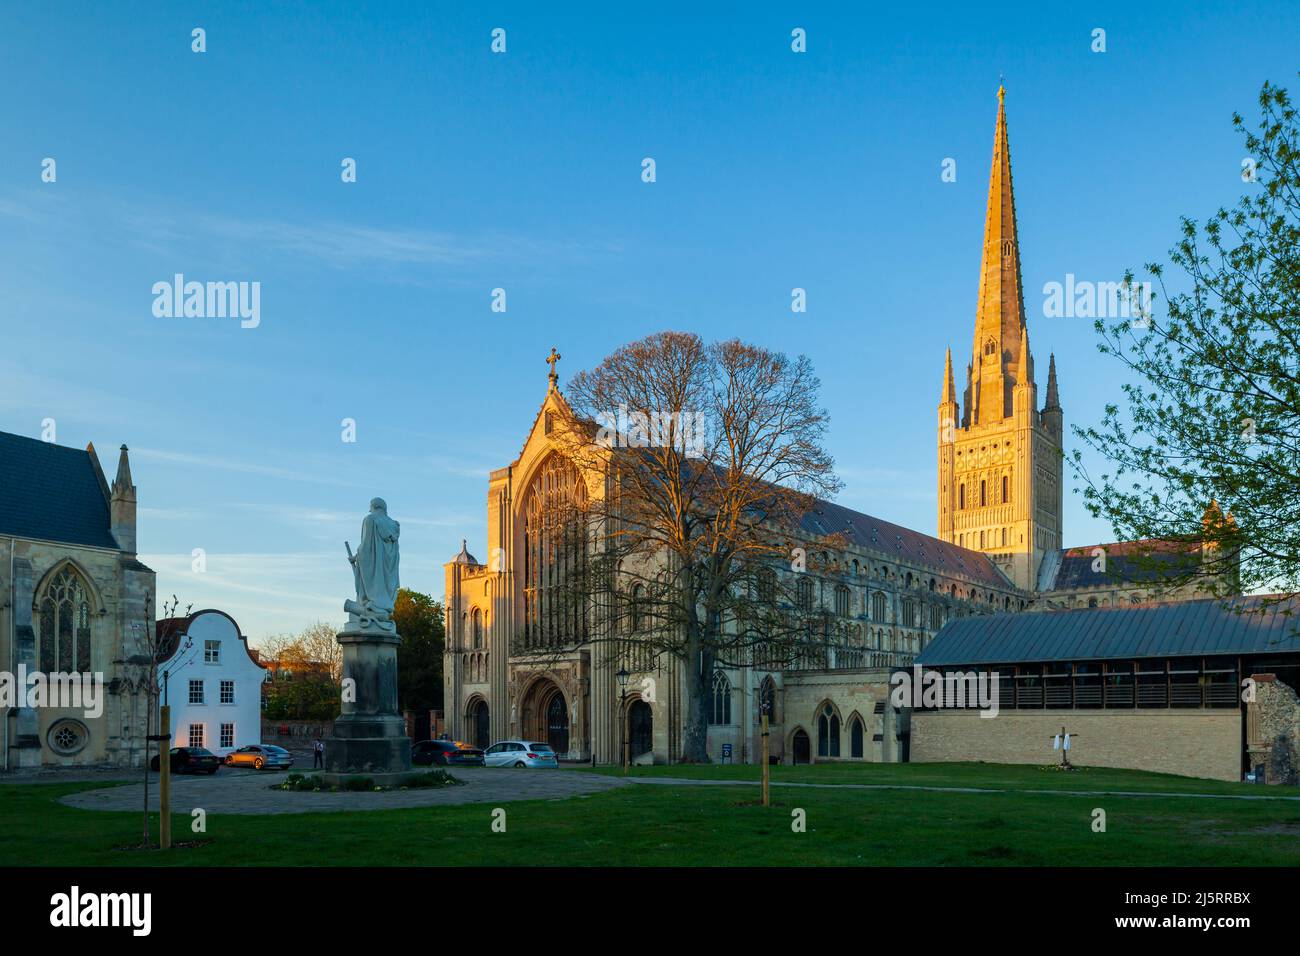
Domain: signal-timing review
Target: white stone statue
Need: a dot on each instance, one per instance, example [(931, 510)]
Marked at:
[(374, 571)]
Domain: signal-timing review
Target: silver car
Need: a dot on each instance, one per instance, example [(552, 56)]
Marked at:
[(520, 753)]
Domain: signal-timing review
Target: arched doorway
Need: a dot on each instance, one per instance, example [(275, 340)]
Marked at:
[(544, 715), (800, 747), (478, 724), (640, 728), (557, 724)]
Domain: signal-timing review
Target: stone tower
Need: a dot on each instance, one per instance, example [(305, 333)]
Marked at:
[(999, 455)]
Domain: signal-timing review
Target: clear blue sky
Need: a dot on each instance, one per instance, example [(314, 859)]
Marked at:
[(522, 170)]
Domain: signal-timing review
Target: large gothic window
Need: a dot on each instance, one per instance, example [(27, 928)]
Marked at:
[(555, 556), (720, 711), (63, 616)]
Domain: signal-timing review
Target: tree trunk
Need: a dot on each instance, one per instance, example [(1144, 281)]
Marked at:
[(148, 729)]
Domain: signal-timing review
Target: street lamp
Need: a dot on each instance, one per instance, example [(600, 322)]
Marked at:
[(622, 676)]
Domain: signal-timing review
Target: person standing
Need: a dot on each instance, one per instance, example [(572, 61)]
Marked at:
[(318, 754)]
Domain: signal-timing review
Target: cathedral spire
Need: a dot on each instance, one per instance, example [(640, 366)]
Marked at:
[(1000, 314), (949, 389), (1053, 399)]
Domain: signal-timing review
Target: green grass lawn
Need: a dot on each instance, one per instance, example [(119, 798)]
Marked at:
[(987, 776), (696, 825)]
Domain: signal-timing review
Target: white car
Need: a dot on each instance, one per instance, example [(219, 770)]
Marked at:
[(520, 753)]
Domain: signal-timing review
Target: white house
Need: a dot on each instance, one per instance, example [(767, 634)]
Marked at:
[(212, 683)]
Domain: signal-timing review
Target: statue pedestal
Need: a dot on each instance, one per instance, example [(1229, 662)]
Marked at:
[(369, 734)]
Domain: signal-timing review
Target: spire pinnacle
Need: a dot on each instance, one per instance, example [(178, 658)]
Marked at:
[(1000, 312), (1053, 399), (949, 389), (122, 483)]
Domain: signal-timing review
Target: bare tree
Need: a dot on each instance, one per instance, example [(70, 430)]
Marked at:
[(699, 462), (157, 644)]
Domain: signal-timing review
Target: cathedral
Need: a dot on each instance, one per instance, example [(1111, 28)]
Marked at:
[(887, 588)]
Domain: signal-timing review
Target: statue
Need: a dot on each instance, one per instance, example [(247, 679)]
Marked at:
[(374, 571), (369, 735)]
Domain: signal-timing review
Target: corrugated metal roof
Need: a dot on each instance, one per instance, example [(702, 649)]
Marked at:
[(1187, 629), (828, 518), (51, 493)]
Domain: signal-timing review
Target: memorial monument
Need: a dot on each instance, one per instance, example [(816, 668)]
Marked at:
[(369, 735)]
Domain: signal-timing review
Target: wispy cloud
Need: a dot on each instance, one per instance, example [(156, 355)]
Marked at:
[(244, 467)]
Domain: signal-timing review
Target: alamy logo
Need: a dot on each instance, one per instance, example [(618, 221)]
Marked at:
[(74, 908), (209, 300), (631, 429), (935, 689), (82, 692), (1081, 299)]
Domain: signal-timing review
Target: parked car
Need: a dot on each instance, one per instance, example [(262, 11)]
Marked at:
[(520, 753), (446, 753), (260, 757), (190, 760)]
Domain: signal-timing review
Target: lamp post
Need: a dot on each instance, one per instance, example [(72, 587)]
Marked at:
[(622, 676)]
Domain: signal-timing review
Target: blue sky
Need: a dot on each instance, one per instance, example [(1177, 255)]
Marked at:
[(522, 171)]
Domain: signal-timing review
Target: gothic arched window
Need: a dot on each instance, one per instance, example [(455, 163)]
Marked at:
[(842, 601), (828, 733), (63, 616), (720, 712), (855, 737), (555, 556), (477, 619)]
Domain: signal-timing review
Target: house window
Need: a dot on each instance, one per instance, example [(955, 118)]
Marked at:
[(212, 652), (720, 712), (63, 616), (196, 692), (227, 691), (227, 735), (828, 733), (196, 735)]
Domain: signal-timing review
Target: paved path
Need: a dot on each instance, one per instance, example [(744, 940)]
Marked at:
[(232, 790), (697, 782)]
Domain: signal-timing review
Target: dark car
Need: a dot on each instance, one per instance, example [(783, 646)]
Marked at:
[(446, 753), (190, 760)]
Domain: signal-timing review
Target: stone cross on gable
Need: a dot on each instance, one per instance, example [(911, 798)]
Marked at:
[(551, 360)]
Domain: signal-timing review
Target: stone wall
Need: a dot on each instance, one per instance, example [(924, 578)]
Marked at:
[(1193, 743), (1273, 734)]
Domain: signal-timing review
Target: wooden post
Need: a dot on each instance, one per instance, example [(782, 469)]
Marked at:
[(766, 766), (165, 779)]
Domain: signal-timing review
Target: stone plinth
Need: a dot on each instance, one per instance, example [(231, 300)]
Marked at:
[(369, 735)]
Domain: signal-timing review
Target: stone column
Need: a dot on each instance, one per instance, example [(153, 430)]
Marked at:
[(370, 734)]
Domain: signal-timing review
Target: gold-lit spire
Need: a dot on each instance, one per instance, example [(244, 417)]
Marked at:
[(949, 389), (1000, 314)]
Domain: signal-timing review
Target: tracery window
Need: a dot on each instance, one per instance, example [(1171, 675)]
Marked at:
[(720, 712), (842, 601), (555, 556), (63, 616)]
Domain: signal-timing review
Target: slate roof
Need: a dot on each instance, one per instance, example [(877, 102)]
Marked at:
[(904, 544), (1186, 629), (52, 493), (1129, 562)]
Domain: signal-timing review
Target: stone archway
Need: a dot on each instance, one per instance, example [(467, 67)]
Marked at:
[(478, 724), (544, 716)]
